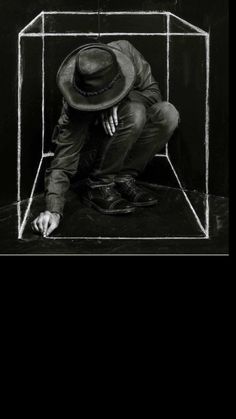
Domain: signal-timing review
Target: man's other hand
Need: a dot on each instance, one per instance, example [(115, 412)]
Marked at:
[(46, 223), (110, 120)]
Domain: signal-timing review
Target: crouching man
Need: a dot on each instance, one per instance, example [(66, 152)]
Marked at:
[(109, 86)]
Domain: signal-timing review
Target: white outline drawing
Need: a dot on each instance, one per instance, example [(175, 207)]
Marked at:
[(22, 221)]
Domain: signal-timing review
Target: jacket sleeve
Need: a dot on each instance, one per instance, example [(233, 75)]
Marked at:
[(146, 88), (68, 138)]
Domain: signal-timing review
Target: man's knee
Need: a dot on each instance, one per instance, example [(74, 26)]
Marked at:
[(167, 114), (133, 115)]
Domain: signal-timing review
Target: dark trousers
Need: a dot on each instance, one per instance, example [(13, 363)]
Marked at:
[(84, 148), (141, 134), (84, 151)]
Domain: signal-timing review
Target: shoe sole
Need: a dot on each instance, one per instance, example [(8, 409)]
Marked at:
[(107, 212), (145, 204)]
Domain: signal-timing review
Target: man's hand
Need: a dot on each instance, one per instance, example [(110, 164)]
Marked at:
[(46, 223), (110, 120)]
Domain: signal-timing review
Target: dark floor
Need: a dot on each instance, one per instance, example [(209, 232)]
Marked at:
[(172, 217)]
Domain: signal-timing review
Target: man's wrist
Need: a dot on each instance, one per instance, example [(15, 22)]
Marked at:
[(54, 204)]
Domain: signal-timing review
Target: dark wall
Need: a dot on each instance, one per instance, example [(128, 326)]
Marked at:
[(208, 14), (14, 16), (212, 16)]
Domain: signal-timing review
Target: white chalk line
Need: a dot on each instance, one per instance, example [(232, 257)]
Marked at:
[(161, 155), (125, 12), (168, 68), (46, 34), (207, 133), (66, 34), (168, 58), (18, 217), (43, 84), (29, 202), (51, 154), (140, 12), (59, 12), (196, 28), (31, 22), (186, 197), (19, 87), (128, 238)]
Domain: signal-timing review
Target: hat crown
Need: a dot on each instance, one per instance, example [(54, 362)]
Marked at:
[(96, 70), (95, 77), (93, 60)]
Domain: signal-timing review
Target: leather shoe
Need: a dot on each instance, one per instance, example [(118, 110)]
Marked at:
[(138, 196), (107, 200)]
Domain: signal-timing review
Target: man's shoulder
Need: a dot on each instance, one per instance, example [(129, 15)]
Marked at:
[(122, 44)]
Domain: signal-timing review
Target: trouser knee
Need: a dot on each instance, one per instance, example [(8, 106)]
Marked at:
[(166, 114), (132, 115)]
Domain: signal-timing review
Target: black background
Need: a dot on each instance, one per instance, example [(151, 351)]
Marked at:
[(208, 14)]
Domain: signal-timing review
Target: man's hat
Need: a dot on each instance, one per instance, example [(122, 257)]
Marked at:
[(95, 77)]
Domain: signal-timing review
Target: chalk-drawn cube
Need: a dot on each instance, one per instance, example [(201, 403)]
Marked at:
[(179, 55)]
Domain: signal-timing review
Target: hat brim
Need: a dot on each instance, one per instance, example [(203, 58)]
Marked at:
[(105, 100)]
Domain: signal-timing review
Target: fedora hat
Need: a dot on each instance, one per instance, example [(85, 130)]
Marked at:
[(95, 77)]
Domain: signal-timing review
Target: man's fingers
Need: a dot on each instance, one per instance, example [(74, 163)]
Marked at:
[(104, 123), (34, 226), (108, 127), (45, 223), (105, 128), (42, 222), (112, 124), (51, 228), (115, 115), (108, 122)]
